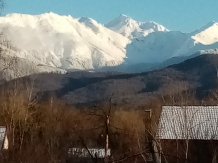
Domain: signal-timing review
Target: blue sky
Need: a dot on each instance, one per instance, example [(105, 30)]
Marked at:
[(183, 15)]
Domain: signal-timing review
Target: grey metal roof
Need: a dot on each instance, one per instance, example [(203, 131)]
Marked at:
[(188, 122), (2, 135), (82, 152)]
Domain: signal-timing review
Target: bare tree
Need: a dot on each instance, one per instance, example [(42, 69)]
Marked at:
[(105, 116)]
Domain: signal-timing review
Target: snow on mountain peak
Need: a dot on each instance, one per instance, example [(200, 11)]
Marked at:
[(86, 19), (68, 43), (123, 18), (50, 14), (160, 46), (64, 42), (208, 34), (119, 21), (133, 29), (18, 15), (91, 23), (210, 24)]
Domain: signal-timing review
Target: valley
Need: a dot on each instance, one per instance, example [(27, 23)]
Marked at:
[(75, 90)]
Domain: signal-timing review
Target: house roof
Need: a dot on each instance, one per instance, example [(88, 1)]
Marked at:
[(82, 152), (188, 122), (2, 135)]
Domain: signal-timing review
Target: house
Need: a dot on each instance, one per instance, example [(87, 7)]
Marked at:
[(188, 134), (86, 155), (83, 152), (4, 144)]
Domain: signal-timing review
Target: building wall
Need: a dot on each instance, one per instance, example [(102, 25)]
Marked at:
[(198, 151)]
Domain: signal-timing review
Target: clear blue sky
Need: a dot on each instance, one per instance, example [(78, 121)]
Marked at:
[(184, 15)]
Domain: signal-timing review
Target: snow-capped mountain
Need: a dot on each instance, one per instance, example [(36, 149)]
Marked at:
[(50, 42), (12, 66), (207, 35), (64, 42), (133, 29), (160, 46)]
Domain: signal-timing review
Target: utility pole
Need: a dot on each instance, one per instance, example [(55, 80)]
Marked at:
[(106, 120), (107, 139), (107, 133)]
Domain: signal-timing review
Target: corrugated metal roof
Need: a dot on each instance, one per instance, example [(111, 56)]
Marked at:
[(82, 152), (188, 122), (2, 136)]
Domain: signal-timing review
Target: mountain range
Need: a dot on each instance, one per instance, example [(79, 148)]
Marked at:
[(50, 42), (194, 78)]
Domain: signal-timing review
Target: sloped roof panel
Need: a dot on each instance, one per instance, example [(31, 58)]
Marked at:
[(188, 122)]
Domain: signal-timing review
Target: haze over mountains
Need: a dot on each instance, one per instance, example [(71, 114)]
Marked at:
[(197, 76), (50, 42)]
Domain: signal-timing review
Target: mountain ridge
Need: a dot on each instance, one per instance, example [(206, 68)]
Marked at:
[(68, 43), (130, 28), (67, 36), (197, 75)]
